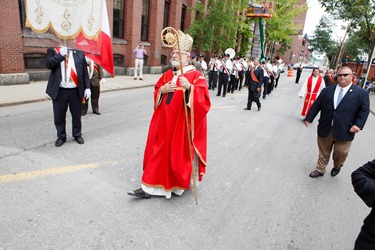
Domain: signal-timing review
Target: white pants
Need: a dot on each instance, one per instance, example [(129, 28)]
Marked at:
[(138, 63)]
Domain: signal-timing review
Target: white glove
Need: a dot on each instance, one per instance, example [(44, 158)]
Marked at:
[(63, 51), (87, 94), (102, 81), (184, 82)]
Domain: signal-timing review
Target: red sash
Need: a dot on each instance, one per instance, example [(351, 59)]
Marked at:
[(311, 96), (255, 79), (73, 75)]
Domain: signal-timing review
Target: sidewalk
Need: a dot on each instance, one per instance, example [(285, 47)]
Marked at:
[(35, 91)]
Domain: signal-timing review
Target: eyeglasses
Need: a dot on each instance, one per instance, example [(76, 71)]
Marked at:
[(344, 75)]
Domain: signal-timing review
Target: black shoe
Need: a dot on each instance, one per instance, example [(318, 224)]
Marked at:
[(79, 140), (335, 171), (209, 88), (217, 94), (223, 95), (264, 97), (140, 193), (97, 113), (60, 142), (315, 174), (141, 79), (259, 108), (246, 109), (83, 113)]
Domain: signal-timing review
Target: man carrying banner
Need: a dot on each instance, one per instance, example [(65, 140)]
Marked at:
[(168, 166), (68, 83)]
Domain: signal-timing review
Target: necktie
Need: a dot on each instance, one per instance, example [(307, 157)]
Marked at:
[(339, 98)]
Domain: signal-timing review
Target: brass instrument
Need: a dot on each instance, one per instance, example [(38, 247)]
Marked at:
[(278, 58)]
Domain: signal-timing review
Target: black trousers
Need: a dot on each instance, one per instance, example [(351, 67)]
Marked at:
[(247, 78), (253, 96), (232, 83), (95, 93), (297, 78), (240, 81), (266, 82), (67, 97), (223, 82), (212, 79)]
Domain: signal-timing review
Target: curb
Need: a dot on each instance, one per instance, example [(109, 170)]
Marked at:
[(47, 98)]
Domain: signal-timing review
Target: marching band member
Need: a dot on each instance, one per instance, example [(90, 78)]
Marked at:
[(224, 74), (245, 67), (212, 75)]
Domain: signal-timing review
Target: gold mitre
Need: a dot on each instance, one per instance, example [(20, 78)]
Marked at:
[(186, 41)]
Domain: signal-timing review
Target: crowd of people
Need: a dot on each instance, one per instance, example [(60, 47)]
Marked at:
[(228, 73)]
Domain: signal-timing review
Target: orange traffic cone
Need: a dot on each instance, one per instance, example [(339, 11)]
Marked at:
[(290, 72)]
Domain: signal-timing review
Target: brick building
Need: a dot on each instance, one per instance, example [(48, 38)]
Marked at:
[(23, 52), (298, 53)]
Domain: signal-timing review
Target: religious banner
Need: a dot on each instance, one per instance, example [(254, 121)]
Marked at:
[(65, 18)]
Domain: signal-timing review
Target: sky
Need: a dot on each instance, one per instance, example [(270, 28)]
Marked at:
[(313, 15)]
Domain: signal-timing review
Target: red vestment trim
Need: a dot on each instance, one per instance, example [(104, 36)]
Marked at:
[(311, 96), (167, 162)]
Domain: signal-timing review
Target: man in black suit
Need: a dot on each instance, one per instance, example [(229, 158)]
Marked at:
[(363, 180), (344, 109), (255, 84), (68, 83)]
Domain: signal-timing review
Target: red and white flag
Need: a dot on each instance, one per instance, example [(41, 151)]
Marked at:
[(100, 50)]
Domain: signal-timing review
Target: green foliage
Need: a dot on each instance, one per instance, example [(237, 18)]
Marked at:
[(224, 25), (361, 14), (281, 26), (322, 41)]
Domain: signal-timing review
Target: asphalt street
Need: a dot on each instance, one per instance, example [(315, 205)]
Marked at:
[(256, 195)]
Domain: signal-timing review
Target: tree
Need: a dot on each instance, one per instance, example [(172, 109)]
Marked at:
[(219, 27), (360, 13), (322, 40), (224, 25), (281, 27)]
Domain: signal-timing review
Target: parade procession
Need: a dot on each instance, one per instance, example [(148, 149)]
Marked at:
[(187, 124)]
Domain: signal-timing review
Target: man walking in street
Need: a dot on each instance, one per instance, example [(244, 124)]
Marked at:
[(255, 84), (344, 109), (171, 155)]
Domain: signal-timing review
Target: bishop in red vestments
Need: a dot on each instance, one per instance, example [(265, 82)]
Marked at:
[(167, 164)]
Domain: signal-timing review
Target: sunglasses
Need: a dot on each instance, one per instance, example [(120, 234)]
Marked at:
[(344, 75)]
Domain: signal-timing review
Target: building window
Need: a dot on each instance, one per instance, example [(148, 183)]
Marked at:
[(163, 60), (35, 61), (183, 16), (118, 60), (145, 18), (166, 13), (118, 18)]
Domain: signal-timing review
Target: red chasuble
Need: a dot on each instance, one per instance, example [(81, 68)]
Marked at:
[(311, 96), (167, 162)]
